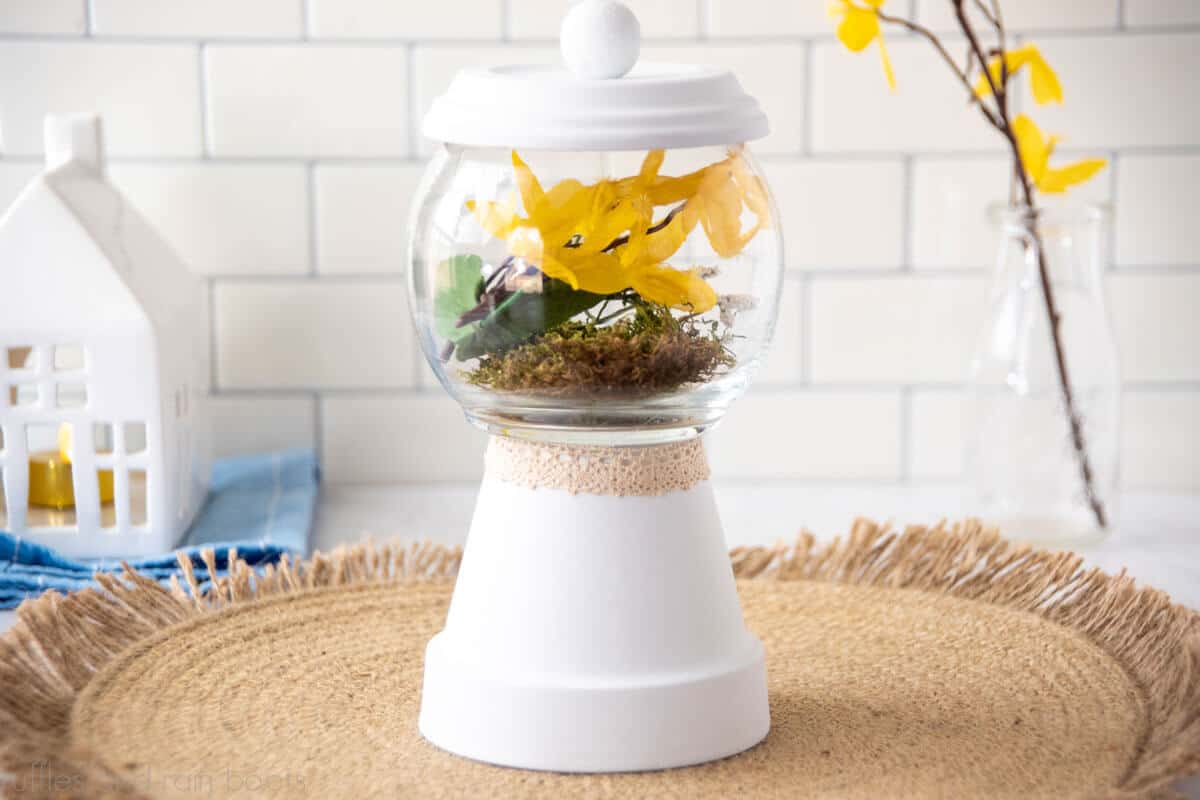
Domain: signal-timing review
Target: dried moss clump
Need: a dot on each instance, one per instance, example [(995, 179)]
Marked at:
[(648, 353)]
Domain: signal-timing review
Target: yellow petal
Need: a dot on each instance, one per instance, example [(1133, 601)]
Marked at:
[(753, 190), (611, 223), (650, 167), (1056, 181), (531, 191), (1034, 150), (601, 273), (498, 219), (1043, 81), (666, 191), (888, 72), (566, 207), (722, 222), (526, 243), (1013, 60), (600, 222), (564, 193), (665, 242), (858, 28), (674, 288), (554, 268)]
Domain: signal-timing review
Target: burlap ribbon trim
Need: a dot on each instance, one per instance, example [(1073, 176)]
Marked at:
[(59, 643), (589, 469)]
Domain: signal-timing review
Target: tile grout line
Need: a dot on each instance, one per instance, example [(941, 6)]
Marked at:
[(807, 121), (213, 339), (305, 20), (743, 40), (772, 38), (318, 426), (506, 20), (907, 215), (830, 274), (758, 389), (768, 157), (206, 135), (806, 316), (414, 128), (310, 177), (1114, 208), (905, 433)]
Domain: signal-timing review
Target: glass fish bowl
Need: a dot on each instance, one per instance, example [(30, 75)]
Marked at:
[(603, 297)]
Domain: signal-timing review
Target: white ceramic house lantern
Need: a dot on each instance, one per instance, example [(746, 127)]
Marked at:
[(595, 270), (103, 364)]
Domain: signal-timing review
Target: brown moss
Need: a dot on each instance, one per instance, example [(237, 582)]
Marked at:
[(647, 354)]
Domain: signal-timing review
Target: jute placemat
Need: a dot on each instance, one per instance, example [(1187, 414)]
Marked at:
[(933, 663)]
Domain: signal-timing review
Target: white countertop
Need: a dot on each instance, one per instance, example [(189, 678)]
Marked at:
[(1157, 539)]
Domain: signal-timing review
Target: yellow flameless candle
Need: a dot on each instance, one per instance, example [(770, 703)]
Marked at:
[(51, 481)]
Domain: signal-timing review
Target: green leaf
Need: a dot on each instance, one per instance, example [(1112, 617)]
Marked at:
[(524, 315), (459, 282)]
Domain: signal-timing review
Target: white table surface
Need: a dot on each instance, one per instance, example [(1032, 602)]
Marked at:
[(1157, 539)]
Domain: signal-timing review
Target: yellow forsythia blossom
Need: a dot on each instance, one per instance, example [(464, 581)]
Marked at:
[(859, 26), (1035, 152), (1042, 80), (602, 237)]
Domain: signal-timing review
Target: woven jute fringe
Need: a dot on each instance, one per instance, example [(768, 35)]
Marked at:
[(59, 643), (643, 471)]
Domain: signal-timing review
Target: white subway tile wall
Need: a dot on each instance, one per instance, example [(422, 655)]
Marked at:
[(210, 18), (296, 334), (225, 218), (362, 216), (44, 16), (306, 101), (243, 424), (1029, 15), (149, 94), (372, 19), (277, 145), (539, 19)]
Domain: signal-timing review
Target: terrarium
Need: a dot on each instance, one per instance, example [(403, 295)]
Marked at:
[(595, 296), (595, 267)]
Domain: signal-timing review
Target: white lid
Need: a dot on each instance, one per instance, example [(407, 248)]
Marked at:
[(599, 103)]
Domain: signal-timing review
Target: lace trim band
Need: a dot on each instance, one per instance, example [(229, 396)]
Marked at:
[(590, 469)]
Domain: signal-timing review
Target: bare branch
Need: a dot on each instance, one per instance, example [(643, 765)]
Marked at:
[(949, 59), (983, 9), (1022, 184), (969, 31)]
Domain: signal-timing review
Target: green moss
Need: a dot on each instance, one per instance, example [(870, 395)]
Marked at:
[(648, 353)]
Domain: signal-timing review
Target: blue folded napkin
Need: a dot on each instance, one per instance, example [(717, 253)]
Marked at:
[(261, 505)]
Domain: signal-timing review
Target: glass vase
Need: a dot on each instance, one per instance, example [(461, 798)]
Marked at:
[(1042, 413)]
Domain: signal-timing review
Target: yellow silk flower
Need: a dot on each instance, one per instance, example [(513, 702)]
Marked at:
[(1035, 152), (573, 232), (1042, 80), (859, 27)]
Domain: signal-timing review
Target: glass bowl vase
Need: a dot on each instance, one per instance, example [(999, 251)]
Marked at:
[(594, 297)]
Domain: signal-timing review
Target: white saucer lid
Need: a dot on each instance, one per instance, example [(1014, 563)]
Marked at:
[(600, 101)]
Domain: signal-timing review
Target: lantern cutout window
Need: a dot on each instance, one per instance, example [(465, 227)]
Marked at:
[(102, 331)]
